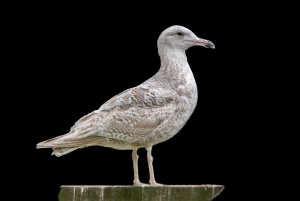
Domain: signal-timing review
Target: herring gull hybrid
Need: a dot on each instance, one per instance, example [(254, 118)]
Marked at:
[(145, 115)]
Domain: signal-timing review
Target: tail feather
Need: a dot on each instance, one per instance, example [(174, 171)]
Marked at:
[(63, 151), (57, 145), (65, 144)]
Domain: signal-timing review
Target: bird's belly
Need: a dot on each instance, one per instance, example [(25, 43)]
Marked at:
[(175, 123)]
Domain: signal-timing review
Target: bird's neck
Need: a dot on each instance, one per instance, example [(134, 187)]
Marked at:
[(173, 61)]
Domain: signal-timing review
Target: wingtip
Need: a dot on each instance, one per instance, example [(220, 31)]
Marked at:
[(44, 144), (38, 145)]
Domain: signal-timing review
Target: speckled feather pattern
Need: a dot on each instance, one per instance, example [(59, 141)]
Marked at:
[(142, 116)]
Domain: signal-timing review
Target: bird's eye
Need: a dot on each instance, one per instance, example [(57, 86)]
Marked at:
[(179, 33)]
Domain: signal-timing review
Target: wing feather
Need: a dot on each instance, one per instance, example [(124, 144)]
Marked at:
[(128, 117)]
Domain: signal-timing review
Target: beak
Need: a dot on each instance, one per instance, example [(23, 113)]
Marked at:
[(205, 43)]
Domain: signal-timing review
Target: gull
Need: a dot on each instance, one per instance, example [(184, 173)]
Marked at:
[(145, 115)]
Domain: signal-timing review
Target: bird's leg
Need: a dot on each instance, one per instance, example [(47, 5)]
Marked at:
[(135, 158), (150, 166)]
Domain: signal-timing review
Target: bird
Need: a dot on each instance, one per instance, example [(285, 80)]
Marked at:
[(145, 115)]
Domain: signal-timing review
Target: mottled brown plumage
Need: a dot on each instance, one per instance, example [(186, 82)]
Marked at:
[(145, 115)]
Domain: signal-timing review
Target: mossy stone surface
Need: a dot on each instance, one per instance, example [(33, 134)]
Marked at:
[(140, 193)]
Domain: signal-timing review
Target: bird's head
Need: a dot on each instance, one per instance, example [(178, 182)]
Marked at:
[(179, 37)]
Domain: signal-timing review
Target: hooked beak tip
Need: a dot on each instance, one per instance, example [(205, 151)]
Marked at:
[(209, 45), (206, 43)]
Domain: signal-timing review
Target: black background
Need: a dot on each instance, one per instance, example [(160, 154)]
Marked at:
[(72, 58)]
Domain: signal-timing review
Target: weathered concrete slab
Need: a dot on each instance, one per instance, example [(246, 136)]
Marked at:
[(140, 193)]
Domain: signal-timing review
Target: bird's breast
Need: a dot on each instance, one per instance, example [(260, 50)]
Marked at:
[(186, 87)]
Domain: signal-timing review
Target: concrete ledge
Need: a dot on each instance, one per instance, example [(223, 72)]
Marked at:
[(140, 193)]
